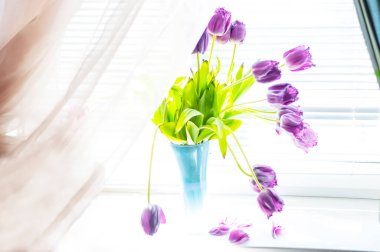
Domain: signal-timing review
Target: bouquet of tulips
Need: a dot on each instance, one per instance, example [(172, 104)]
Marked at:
[(201, 107)]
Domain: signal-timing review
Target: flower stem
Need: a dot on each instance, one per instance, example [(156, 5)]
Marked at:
[(151, 162), (232, 63), (238, 82), (246, 103), (212, 48), (247, 161), (199, 68), (237, 162)]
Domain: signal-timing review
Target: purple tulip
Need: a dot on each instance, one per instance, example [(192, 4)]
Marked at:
[(298, 59), (151, 218), (266, 71), (238, 236), (265, 175), (220, 230), (282, 94), (202, 44), (270, 202), (306, 138), (288, 109), (292, 123), (225, 37), (238, 32), (276, 231), (220, 22)]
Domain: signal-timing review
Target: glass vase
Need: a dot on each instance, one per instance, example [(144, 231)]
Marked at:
[(192, 162)]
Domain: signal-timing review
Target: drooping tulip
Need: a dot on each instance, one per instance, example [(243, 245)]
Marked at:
[(266, 177), (266, 71), (220, 22), (298, 59), (270, 202), (202, 44), (282, 94), (151, 218), (238, 32), (289, 109), (306, 138), (292, 123)]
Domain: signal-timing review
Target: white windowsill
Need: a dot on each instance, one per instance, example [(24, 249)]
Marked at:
[(112, 223)]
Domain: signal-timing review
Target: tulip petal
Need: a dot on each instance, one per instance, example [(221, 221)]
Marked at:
[(238, 236)]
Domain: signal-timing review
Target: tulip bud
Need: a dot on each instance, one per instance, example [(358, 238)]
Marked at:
[(202, 44), (298, 59), (282, 94), (265, 175), (151, 219), (238, 32), (238, 236), (266, 71), (220, 22), (270, 202)]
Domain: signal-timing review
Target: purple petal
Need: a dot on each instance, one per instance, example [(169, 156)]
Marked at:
[(276, 231), (238, 236), (219, 230), (306, 138)]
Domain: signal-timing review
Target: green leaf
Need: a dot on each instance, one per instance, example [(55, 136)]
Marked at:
[(206, 102), (205, 134), (159, 115), (189, 95), (185, 116), (221, 133), (239, 73), (242, 87), (218, 66), (232, 125), (192, 132), (203, 80), (179, 81), (168, 129)]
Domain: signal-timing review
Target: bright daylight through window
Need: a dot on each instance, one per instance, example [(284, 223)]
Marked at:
[(340, 99)]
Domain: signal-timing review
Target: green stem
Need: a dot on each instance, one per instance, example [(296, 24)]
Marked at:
[(267, 119), (199, 68), (238, 82), (232, 63), (246, 103), (237, 162), (151, 162), (212, 49), (247, 161)]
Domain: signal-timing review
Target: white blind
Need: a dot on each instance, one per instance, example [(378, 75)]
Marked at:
[(340, 97)]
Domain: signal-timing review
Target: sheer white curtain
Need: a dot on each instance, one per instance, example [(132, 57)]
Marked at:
[(65, 116)]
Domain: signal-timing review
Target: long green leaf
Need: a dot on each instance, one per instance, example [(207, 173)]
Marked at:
[(185, 116), (168, 130), (221, 133), (192, 132)]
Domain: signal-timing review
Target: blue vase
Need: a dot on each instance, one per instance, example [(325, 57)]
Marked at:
[(192, 161)]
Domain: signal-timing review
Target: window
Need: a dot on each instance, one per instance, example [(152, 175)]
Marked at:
[(340, 99)]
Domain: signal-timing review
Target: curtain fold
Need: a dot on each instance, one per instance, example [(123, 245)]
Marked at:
[(65, 126)]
